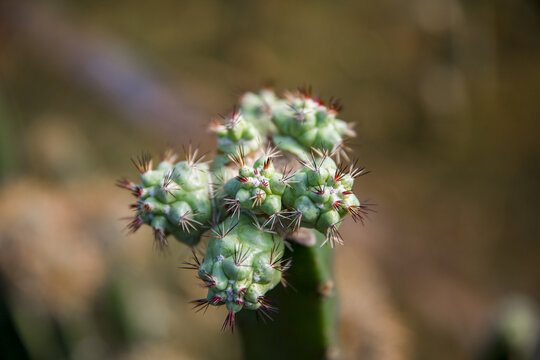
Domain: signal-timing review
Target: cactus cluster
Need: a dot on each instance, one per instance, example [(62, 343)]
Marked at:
[(322, 194), (173, 198), (242, 262), (304, 122), (257, 188), (250, 200), (235, 133)]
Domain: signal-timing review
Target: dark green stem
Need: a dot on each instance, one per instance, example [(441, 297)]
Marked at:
[(305, 327)]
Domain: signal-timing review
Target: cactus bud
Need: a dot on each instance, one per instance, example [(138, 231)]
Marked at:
[(173, 198), (242, 263)]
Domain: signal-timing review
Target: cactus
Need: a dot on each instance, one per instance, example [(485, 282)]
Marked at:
[(251, 202), (304, 122), (242, 262), (173, 198), (234, 134), (322, 193)]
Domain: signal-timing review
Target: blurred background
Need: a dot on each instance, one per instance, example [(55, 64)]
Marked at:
[(445, 97)]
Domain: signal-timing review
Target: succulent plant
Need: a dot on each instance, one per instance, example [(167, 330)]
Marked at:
[(173, 198), (304, 122), (242, 262), (251, 200), (322, 194), (258, 109), (235, 133)]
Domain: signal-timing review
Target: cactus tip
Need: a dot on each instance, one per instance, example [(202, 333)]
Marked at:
[(232, 206), (333, 236), (143, 162), (220, 231), (135, 224), (360, 212), (271, 151), (200, 304), (266, 306), (187, 222), (160, 240), (240, 254), (233, 120), (195, 263), (258, 198), (208, 281), (192, 155), (238, 157), (128, 185), (169, 155), (229, 321)]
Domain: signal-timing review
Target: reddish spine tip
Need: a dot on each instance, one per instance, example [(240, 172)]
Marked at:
[(216, 300), (229, 321), (135, 224)]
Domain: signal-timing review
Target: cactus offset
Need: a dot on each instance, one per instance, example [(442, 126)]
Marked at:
[(305, 122), (242, 262), (173, 198), (250, 200)]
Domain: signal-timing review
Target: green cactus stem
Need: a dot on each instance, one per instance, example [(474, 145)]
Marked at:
[(306, 325)]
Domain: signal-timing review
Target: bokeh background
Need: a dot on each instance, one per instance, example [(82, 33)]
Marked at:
[(445, 95)]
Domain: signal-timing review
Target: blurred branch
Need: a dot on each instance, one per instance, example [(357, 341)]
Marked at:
[(11, 345), (101, 65)]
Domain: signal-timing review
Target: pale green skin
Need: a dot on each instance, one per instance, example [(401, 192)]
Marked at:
[(189, 192), (257, 109), (255, 274)]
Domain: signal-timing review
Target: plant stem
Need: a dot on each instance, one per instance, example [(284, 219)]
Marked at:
[(306, 325)]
